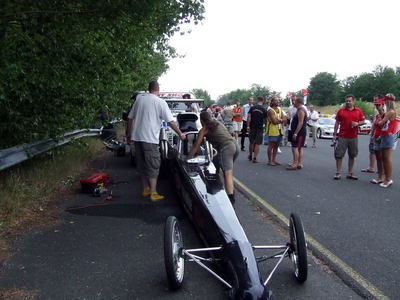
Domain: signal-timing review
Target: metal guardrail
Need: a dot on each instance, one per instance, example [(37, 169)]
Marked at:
[(17, 154)]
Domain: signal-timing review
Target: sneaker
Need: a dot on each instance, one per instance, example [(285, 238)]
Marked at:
[(279, 150), (242, 149), (146, 192), (156, 197)]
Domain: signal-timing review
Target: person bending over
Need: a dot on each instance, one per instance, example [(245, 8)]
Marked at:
[(224, 143)]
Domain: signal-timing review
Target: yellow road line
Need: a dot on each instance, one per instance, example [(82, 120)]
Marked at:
[(332, 257)]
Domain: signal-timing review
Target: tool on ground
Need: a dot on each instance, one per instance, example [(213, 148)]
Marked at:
[(100, 189)]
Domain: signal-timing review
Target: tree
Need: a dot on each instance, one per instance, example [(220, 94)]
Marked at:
[(239, 94), (324, 89), (386, 80), (380, 81), (62, 61), (242, 94), (347, 84), (259, 90), (364, 87), (203, 94)]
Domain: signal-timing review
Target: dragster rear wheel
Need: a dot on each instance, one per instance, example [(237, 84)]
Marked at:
[(173, 244), (298, 248)]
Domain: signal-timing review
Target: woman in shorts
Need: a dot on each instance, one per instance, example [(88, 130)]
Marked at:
[(376, 141), (224, 143), (388, 126)]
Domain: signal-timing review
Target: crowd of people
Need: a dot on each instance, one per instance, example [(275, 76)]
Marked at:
[(264, 123), (385, 127), (382, 143)]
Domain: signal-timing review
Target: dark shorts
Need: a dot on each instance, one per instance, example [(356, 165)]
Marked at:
[(371, 147), (256, 136), (300, 139), (351, 145), (148, 159), (376, 145)]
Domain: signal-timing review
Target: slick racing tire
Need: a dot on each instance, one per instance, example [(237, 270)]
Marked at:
[(298, 251), (173, 245)]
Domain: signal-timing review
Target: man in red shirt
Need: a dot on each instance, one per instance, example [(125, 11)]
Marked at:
[(349, 118)]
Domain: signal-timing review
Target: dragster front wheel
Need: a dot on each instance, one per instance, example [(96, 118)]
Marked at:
[(173, 245), (298, 248), (164, 149)]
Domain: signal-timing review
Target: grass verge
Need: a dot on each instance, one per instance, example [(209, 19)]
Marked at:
[(31, 190), (29, 185)]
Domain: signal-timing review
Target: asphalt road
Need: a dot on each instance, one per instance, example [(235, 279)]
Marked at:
[(115, 251), (351, 225)]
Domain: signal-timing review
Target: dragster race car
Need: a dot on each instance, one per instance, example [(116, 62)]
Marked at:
[(228, 254)]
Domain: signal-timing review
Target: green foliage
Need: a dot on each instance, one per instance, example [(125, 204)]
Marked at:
[(203, 94), (242, 95), (61, 62), (365, 86), (386, 81), (286, 102), (30, 184), (259, 90), (367, 108), (323, 89)]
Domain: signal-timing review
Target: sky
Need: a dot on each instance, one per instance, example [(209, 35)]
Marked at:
[(282, 44)]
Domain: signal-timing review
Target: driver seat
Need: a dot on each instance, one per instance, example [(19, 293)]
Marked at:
[(187, 122)]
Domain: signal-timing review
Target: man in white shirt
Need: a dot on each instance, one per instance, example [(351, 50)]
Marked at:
[(292, 109), (245, 112), (312, 125), (144, 122)]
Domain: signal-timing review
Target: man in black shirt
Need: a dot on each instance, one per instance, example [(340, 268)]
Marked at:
[(255, 121)]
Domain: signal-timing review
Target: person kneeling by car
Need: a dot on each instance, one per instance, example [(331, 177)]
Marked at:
[(224, 143)]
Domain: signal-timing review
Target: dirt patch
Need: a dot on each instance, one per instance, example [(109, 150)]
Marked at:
[(17, 294), (43, 216)]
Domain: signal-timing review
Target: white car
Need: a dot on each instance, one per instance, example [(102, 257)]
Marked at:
[(325, 126), (366, 128)]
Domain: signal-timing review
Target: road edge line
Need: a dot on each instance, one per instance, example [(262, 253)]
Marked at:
[(373, 290)]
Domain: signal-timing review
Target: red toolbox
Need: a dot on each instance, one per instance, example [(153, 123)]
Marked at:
[(90, 184)]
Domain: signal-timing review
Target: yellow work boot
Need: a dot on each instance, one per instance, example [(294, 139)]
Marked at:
[(156, 197), (146, 192)]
